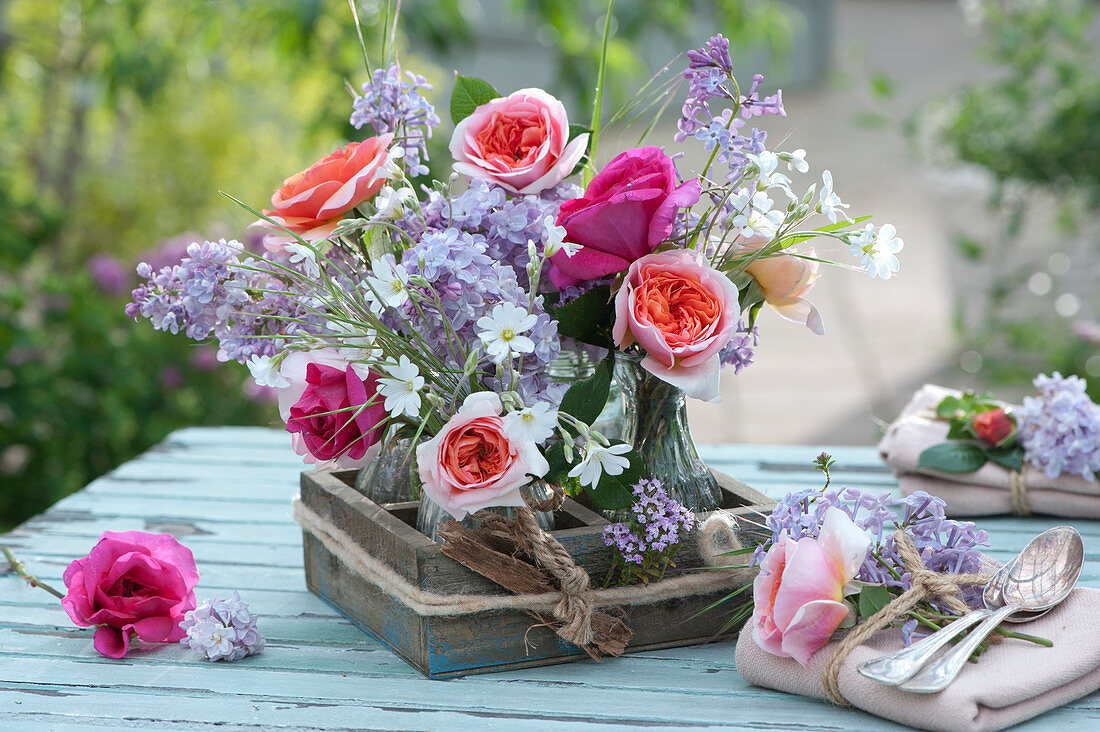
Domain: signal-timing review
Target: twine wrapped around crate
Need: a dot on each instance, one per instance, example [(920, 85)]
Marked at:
[(575, 605)]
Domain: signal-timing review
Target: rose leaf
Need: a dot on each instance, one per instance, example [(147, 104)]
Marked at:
[(873, 598), (587, 318), (469, 94), (586, 398), (952, 457)]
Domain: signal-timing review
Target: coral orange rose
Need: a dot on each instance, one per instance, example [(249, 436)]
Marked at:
[(785, 280), (310, 203), (682, 313)]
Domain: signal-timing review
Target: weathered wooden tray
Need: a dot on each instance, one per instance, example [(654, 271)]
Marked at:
[(498, 640)]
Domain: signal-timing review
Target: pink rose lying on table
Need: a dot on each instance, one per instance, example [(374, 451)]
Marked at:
[(798, 595), (331, 407), (786, 280), (472, 464), (682, 313), (627, 210), (132, 583), (310, 203), (520, 142)]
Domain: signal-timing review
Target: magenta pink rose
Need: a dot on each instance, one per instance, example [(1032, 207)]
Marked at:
[(331, 407), (798, 595), (683, 313), (627, 210), (472, 464), (131, 583), (520, 142)]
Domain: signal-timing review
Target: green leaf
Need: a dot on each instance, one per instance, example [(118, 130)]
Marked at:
[(790, 241), (1012, 459), (953, 457), (586, 398), (559, 466), (947, 408), (469, 94), (588, 317), (873, 598), (574, 130), (960, 430), (616, 491)]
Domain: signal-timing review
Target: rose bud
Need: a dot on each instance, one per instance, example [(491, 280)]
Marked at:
[(994, 426)]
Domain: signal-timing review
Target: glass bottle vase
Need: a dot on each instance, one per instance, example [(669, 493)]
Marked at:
[(656, 426), (391, 477), (431, 517), (577, 363)]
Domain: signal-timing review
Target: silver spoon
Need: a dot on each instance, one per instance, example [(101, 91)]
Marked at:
[(1037, 580), (899, 667)]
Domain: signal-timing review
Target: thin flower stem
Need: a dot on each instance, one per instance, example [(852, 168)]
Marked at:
[(597, 105), (21, 570)]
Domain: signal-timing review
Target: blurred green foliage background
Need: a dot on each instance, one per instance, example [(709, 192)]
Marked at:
[(120, 120)]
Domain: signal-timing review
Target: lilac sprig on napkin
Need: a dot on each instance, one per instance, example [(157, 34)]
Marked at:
[(222, 630)]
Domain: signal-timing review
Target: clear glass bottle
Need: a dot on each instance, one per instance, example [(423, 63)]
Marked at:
[(656, 425), (391, 477), (431, 517), (576, 363)]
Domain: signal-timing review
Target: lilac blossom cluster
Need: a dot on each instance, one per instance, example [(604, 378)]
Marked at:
[(468, 283), (392, 104), (212, 292), (710, 76), (945, 545), (506, 225), (222, 630), (1060, 427), (656, 529), (741, 349)]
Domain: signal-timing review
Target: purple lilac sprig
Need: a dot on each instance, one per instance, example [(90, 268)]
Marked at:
[(391, 103), (222, 630), (741, 350), (945, 545), (1060, 427), (644, 547)]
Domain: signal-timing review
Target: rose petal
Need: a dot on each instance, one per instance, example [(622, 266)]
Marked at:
[(111, 642), (811, 628)]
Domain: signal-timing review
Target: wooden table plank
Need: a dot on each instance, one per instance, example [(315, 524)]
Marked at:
[(226, 493)]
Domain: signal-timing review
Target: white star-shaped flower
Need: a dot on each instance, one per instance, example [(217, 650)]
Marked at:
[(798, 161), (829, 203), (391, 203), (756, 217), (392, 167), (553, 239), (877, 252), (768, 162), (265, 372), (303, 255), (402, 391), (388, 288), (501, 332), (599, 460), (533, 424)]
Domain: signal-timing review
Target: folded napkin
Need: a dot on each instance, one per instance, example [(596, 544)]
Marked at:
[(1012, 682), (986, 491)]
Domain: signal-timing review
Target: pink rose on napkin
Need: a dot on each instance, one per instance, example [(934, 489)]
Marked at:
[(472, 464), (627, 210), (331, 407), (994, 426), (799, 592), (520, 142), (310, 203), (131, 583), (785, 280), (682, 313)]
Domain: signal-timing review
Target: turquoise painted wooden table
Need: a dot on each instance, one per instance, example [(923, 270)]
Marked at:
[(226, 492)]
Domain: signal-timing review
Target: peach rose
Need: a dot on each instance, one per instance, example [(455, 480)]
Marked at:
[(472, 464), (682, 313), (520, 142), (310, 203), (798, 595), (786, 279)]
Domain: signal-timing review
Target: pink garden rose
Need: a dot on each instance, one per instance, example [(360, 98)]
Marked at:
[(131, 583), (798, 595), (311, 202), (683, 313), (472, 464), (786, 280), (331, 407), (520, 142), (627, 210)]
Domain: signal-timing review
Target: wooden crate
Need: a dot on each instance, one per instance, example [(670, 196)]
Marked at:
[(499, 640)]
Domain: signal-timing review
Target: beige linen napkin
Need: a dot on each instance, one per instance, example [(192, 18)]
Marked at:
[(1011, 682), (986, 491)]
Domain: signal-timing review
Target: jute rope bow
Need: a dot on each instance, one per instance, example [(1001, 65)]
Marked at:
[(925, 585)]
